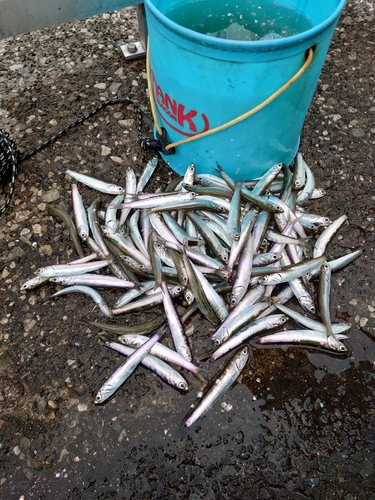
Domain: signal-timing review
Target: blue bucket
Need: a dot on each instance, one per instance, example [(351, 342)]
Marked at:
[(200, 82)]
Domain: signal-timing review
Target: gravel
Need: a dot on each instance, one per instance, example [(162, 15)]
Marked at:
[(300, 424)]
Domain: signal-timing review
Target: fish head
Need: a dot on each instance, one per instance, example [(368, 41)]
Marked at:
[(242, 358), (336, 345), (189, 297), (237, 293), (307, 304), (104, 393), (34, 282), (222, 337), (115, 189)]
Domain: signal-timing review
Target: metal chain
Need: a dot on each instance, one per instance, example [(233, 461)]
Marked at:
[(10, 158)]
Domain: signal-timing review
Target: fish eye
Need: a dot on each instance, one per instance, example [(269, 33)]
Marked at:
[(244, 350), (233, 301), (217, 342), (40, 270), (342, 348), (25, 286), (312, 310), (182, 386), (98, 398), (263, 279)]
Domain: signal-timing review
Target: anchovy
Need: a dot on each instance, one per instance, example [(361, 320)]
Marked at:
[(162, 369), (93, 280), (130, 191), (308, 189), (80, 216), (202, 301), (295, 271), (215, 245), (111, 222), (140, 329), (101, 186), (221, 385), (160, 201), (214, 299), (203, 202), (135, 233), (65, 217), (311, 323), (145, 302), (243, 275), (127, 368), (267, 178), (307, 338), (127, 247), (337, 264), (147, 173), (259, 325), (71, 269), (324, 290), (177, 330), (299, 176), (96, 297), (233, 219), (327, 235), (269, 203), (160, 351), (238, 322), (252, 296)]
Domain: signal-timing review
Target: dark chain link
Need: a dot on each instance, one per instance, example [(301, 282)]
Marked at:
[(10, 158)]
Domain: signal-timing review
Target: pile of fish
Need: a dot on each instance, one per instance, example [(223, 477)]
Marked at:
[(236, 252)]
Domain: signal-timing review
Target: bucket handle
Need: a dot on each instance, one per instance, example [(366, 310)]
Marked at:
[(168, 148)]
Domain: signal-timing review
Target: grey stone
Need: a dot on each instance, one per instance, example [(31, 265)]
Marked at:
[(357, 132), (51, 195), (114, 87)]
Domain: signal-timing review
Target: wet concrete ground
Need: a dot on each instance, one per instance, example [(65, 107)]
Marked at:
[(302, 421)]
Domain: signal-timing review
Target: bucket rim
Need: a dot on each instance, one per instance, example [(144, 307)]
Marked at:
[(243, 45)]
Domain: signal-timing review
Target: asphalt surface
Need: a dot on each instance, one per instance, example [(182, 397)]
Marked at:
[(299, 424)]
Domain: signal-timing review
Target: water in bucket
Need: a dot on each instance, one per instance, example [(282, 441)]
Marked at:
[(240, 20)]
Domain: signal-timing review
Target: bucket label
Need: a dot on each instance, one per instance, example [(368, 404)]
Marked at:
[(187, 122)]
